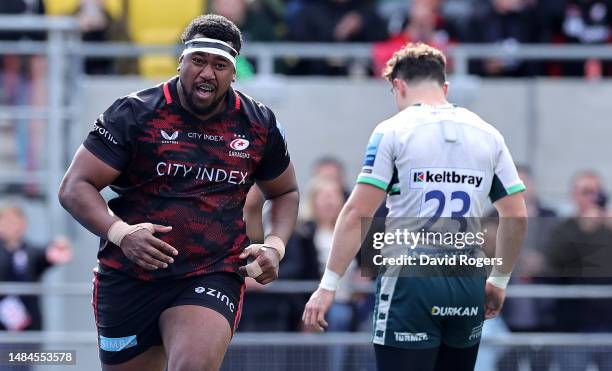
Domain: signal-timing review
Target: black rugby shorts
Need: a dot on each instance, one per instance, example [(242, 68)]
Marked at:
[(127, 310)]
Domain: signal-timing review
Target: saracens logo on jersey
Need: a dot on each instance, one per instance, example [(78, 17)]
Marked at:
[(469, 177), (238, 145)]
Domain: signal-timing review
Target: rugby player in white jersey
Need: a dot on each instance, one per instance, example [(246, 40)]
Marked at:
[(432, 160)]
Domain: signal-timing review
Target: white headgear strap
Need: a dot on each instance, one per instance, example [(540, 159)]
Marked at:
[(211, 46)]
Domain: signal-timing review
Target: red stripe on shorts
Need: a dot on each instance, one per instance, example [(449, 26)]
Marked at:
[(95, 297), (239, 312)]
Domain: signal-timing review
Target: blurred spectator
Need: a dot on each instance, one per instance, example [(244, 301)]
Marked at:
[(330, 167), (507, 23), (22, 84), (587, 22), (425, 24), (22, 262), (258, 20), (22, 7), (530, 314), (580, 252), (326, 199), (550, 14), (95, 24), (576, 249), (337, 21), (334, 21), (394, 13)]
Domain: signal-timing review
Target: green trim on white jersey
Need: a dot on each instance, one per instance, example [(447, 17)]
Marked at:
[(443, 161), (516, 188), (372, 181)]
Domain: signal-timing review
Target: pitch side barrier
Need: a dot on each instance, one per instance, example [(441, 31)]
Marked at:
[(306, 287)]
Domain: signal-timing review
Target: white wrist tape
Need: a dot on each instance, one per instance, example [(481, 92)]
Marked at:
[(253, 269), (498, 279), (330, 280), (279, 247), (120, 229), (262, 246)]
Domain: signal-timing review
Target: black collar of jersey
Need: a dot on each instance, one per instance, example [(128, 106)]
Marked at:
[(171, 94)]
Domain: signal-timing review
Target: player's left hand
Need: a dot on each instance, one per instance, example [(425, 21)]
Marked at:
[(264, 268), (59, 251), (494, 300), (317, 307)]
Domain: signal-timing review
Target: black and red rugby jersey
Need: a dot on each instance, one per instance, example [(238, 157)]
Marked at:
[(190, 174)]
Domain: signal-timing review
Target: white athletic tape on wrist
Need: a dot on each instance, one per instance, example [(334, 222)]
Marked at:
[(279, 249), (120, 229), (258, 246), (330, 280), (253, 269), (498, 279), (279, 246)]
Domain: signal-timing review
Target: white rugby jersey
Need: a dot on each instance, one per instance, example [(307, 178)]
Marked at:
[(439, 161)]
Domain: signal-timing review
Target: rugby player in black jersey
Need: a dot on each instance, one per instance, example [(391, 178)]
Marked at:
[(182, 157)]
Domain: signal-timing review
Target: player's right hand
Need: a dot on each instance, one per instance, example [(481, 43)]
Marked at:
[(317, 307), (146, 250), (494, 300)]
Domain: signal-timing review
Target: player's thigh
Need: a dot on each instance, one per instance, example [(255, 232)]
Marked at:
[(153, 359), (199, 323), (402, 313), (402, 359), (195, 337), (462, 314), (456, 359), (127, 312)]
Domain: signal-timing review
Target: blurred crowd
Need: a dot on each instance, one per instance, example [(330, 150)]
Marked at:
[(386, 23), (24, 262)]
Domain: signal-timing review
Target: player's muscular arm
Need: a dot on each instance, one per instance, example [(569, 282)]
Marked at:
[(511, 231), (362, 203), (80, 191), (281, 206), (80, 195), (510, 234), (252, 215), (279, 216)]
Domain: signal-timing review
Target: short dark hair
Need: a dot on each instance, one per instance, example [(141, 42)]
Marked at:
[(215, 27), (415, 63)]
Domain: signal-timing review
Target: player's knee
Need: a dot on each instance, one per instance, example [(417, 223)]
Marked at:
[(190, 361)]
